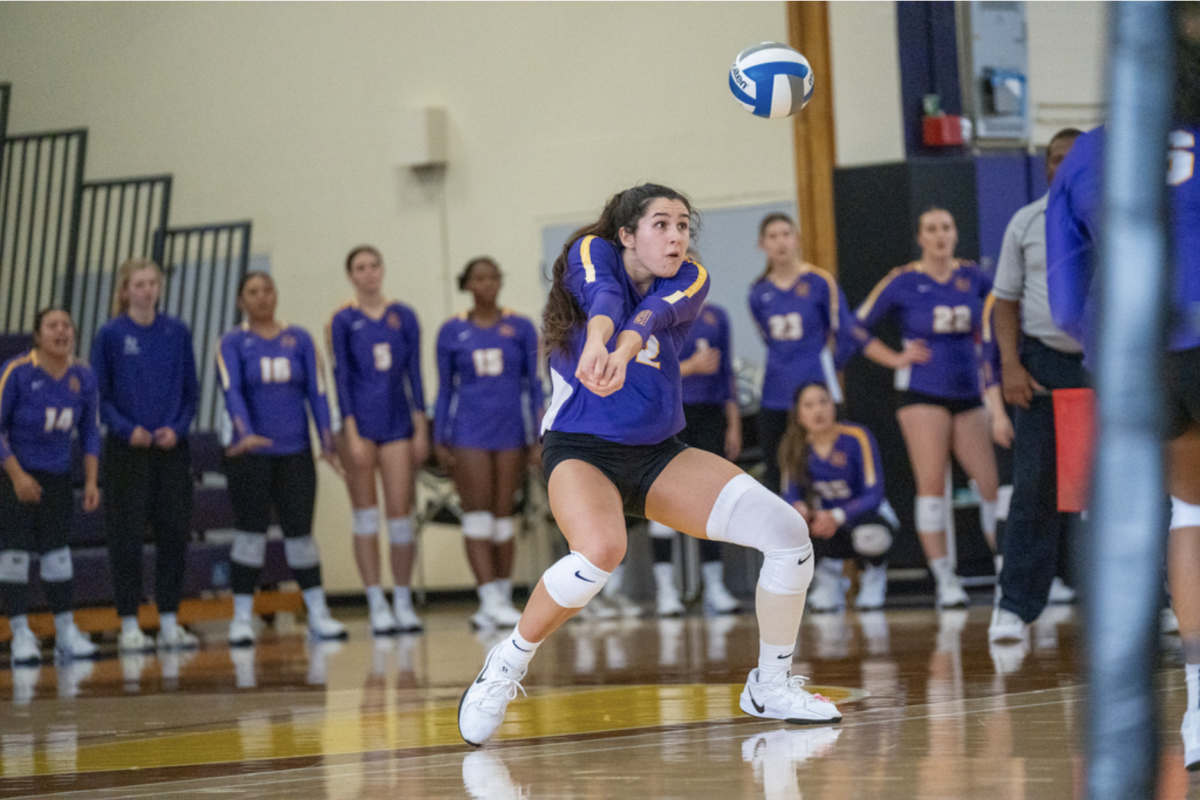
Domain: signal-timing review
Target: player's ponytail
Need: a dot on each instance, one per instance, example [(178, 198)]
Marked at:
[(563, 314)]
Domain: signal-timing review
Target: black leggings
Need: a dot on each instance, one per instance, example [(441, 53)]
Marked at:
[(147, 487), (41, 527)]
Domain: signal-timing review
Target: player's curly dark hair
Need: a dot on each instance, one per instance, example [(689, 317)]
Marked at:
[(563, 314)]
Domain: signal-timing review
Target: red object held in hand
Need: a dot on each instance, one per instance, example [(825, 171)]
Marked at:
[(1074, 443)]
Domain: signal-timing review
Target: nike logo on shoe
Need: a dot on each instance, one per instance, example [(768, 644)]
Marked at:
[(757, 706), (577, 575)]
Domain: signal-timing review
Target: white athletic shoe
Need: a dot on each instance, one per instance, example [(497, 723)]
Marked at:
[(134, 641), (241, 633), (790, 746), (1060, 593), (178, 639), (24, 682), (71, 675), (323, 627), (486, 778), (71, 643), (827, 593), (482, 707), (1006, 627), (598, 608), (667, 602), (498, 607), (1191, 740), (786, 700), (26, 649), (481, 621), (407, 620), (872, 588), (950, 592), (1007, 657), (718, 600), (625, 607), (383, 621)]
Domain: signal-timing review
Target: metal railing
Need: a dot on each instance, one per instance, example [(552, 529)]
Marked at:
[(203, 265)]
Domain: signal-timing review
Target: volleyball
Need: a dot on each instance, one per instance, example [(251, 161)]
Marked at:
[(771, 80)]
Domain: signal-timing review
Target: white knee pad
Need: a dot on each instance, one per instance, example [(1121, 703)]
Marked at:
[(871, 540), (573, 580), (400, 530), (747, 513), (249, 549), (503, 530), (301, 552), (1184, 515), (931, 514), (14, 566), (56, 565), (787, 572), (477, 525), (660, 531), (366, 521), (987, 517)]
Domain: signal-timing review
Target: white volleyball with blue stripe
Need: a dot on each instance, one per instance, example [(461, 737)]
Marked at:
[(771, 80)]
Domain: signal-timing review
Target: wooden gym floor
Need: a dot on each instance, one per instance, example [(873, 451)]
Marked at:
[(615, 709)]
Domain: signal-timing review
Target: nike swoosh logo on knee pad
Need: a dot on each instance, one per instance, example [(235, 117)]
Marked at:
[(801, 561), (577, 575)]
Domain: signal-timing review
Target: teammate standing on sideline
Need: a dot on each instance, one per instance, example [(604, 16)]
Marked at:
[(1035, 356), (375, 346), (713, 422), (834, 478), (487, 361), (269, 369), (940, 299), (610, 449), (805, 321), (1072, 233), (45, 396), (146, 372)]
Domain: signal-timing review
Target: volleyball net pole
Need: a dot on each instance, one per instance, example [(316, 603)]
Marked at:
[(1127, 540)]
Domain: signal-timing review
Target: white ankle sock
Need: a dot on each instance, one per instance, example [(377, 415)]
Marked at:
[(714, 574), (376, 599), (664, 576), (129, 624), (518, 651), (774, 662), (243, 607), (20, 623), (1192, 673), (314, 601), (167, 624), (64, 622)]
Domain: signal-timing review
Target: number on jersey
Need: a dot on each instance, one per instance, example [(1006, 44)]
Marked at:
[(488, 361), (951, 319), (59, 419), (786, 327), (832, 490), (383, 356), (275, 370), (1183, 158), (648, 353)]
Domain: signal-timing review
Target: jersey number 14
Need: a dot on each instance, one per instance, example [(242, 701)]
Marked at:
[(59, 419)]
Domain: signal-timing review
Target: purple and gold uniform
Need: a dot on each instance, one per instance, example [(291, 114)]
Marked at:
[(1072, 231), (377, 369), (947, 316), (483, 374), (648, 409), (39, 414), (709, 331), (797, 324), (266, 382), (849, 478)]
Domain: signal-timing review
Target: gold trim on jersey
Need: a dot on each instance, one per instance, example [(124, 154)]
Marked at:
[(221, 367), (701, 277), (865, 309), (989, 305), (831, 283), (28, 358), (585, 254), (864, 444)]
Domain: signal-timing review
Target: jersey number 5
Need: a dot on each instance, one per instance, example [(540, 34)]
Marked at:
[(275, 370), (59, 419), (786, 327), (488, 361), (1183, 158), (383, 356), (951, 319), (648, 353)]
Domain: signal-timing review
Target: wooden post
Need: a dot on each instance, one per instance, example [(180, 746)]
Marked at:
[(808, 32)]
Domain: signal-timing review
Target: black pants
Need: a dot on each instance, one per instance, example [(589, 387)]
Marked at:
[(772, 425), (36, 528), (1036, 534), (147, 487)]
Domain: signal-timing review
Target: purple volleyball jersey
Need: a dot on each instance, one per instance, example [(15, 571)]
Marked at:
[(710, 330), (39, 414), (849, 478)]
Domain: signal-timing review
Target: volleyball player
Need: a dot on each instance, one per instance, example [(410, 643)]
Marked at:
[(940, 301), (146, 371), (375, 345), (806, 324), (269, 369), (610, 448), (834, 478), (487, 364), (1072, 223), (46, 395), (712, 422)]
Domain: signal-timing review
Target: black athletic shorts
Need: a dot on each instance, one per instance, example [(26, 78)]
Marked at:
[(632, 468), (1183, 391), (258, 483), (706, 423), (37, 527), (955, 405)]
